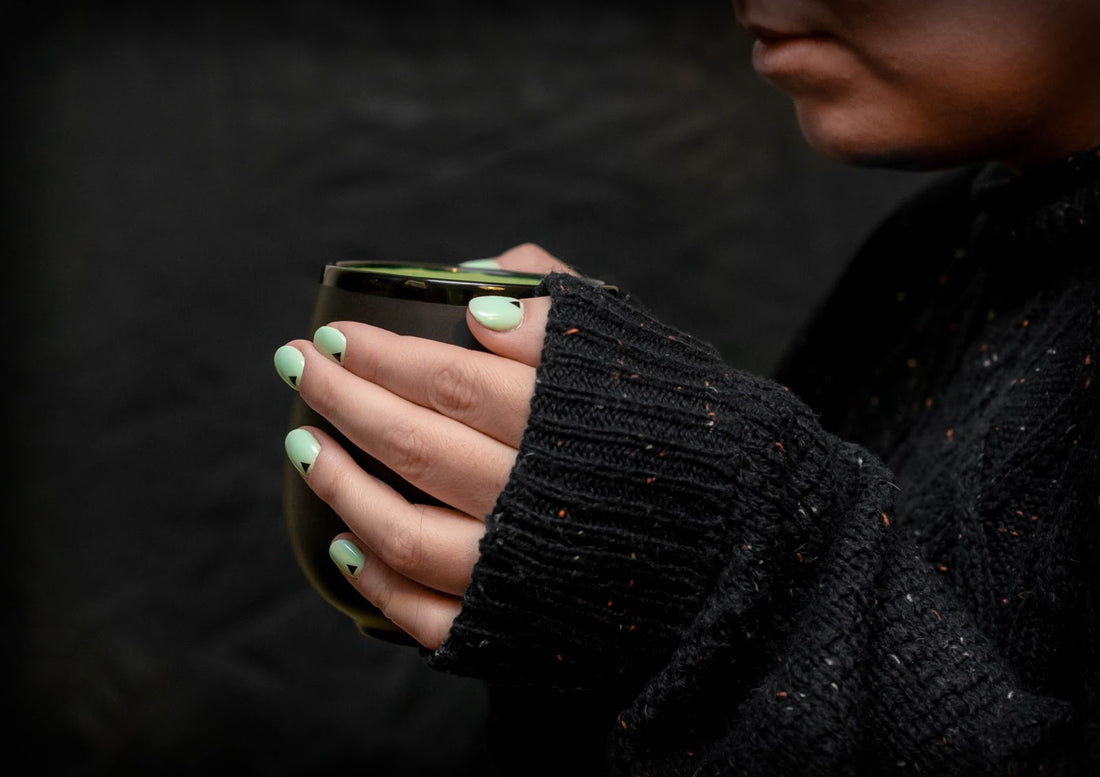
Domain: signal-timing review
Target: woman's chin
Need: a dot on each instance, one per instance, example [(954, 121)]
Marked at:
[(869, 144)]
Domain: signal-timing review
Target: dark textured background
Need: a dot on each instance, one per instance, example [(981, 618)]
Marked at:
[(174, 181)]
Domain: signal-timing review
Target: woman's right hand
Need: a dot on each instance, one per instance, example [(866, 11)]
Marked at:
[(447, 419)]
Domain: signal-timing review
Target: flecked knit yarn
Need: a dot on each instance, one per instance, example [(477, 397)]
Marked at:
[(879, 562)]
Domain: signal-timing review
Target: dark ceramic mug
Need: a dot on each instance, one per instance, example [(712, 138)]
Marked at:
[(424, 300)]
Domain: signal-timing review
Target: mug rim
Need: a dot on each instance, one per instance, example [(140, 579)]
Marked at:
[(364, 276)]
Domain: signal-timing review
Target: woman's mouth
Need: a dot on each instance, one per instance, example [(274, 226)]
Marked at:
[(782, 54)]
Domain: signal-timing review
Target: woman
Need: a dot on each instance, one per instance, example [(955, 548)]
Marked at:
[(875, 562)]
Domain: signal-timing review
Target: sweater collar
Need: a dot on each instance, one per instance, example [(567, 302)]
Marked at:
[(1046, 205)]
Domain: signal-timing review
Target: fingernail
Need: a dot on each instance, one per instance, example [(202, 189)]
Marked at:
[(331, 342), (290, 363), (346, 556), (302, 448), (481, 264), (497, 313)]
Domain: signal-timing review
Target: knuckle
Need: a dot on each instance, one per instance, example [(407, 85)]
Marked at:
[(532, 251), (453, 389), (404, 548), (408, 450)]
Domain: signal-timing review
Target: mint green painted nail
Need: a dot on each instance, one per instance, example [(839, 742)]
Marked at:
[(500, 314), (290, 364), (302, 449), (331, 342), (481, 264), (346, 556)]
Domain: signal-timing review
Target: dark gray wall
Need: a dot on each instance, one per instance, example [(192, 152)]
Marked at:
[(175, 179)]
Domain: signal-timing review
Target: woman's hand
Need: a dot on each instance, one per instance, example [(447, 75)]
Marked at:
[(447, 419)]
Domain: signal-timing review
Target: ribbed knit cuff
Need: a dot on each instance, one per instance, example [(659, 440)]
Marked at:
[(646, 467)]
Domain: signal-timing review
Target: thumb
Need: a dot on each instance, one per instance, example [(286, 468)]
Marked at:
[(533, 259), (510, 327)]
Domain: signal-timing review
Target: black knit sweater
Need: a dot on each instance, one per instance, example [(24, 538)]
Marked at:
[(881, 562)]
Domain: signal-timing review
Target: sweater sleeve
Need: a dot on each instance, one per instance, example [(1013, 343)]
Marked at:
[(688, 533)]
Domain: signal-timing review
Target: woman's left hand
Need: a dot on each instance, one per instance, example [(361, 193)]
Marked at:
[(445, 418)]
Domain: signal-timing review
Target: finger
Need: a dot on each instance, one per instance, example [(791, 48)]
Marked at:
[(441, 456), (511, 328), (532, 258), (433, 546), (483, 391), (424, 614)]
